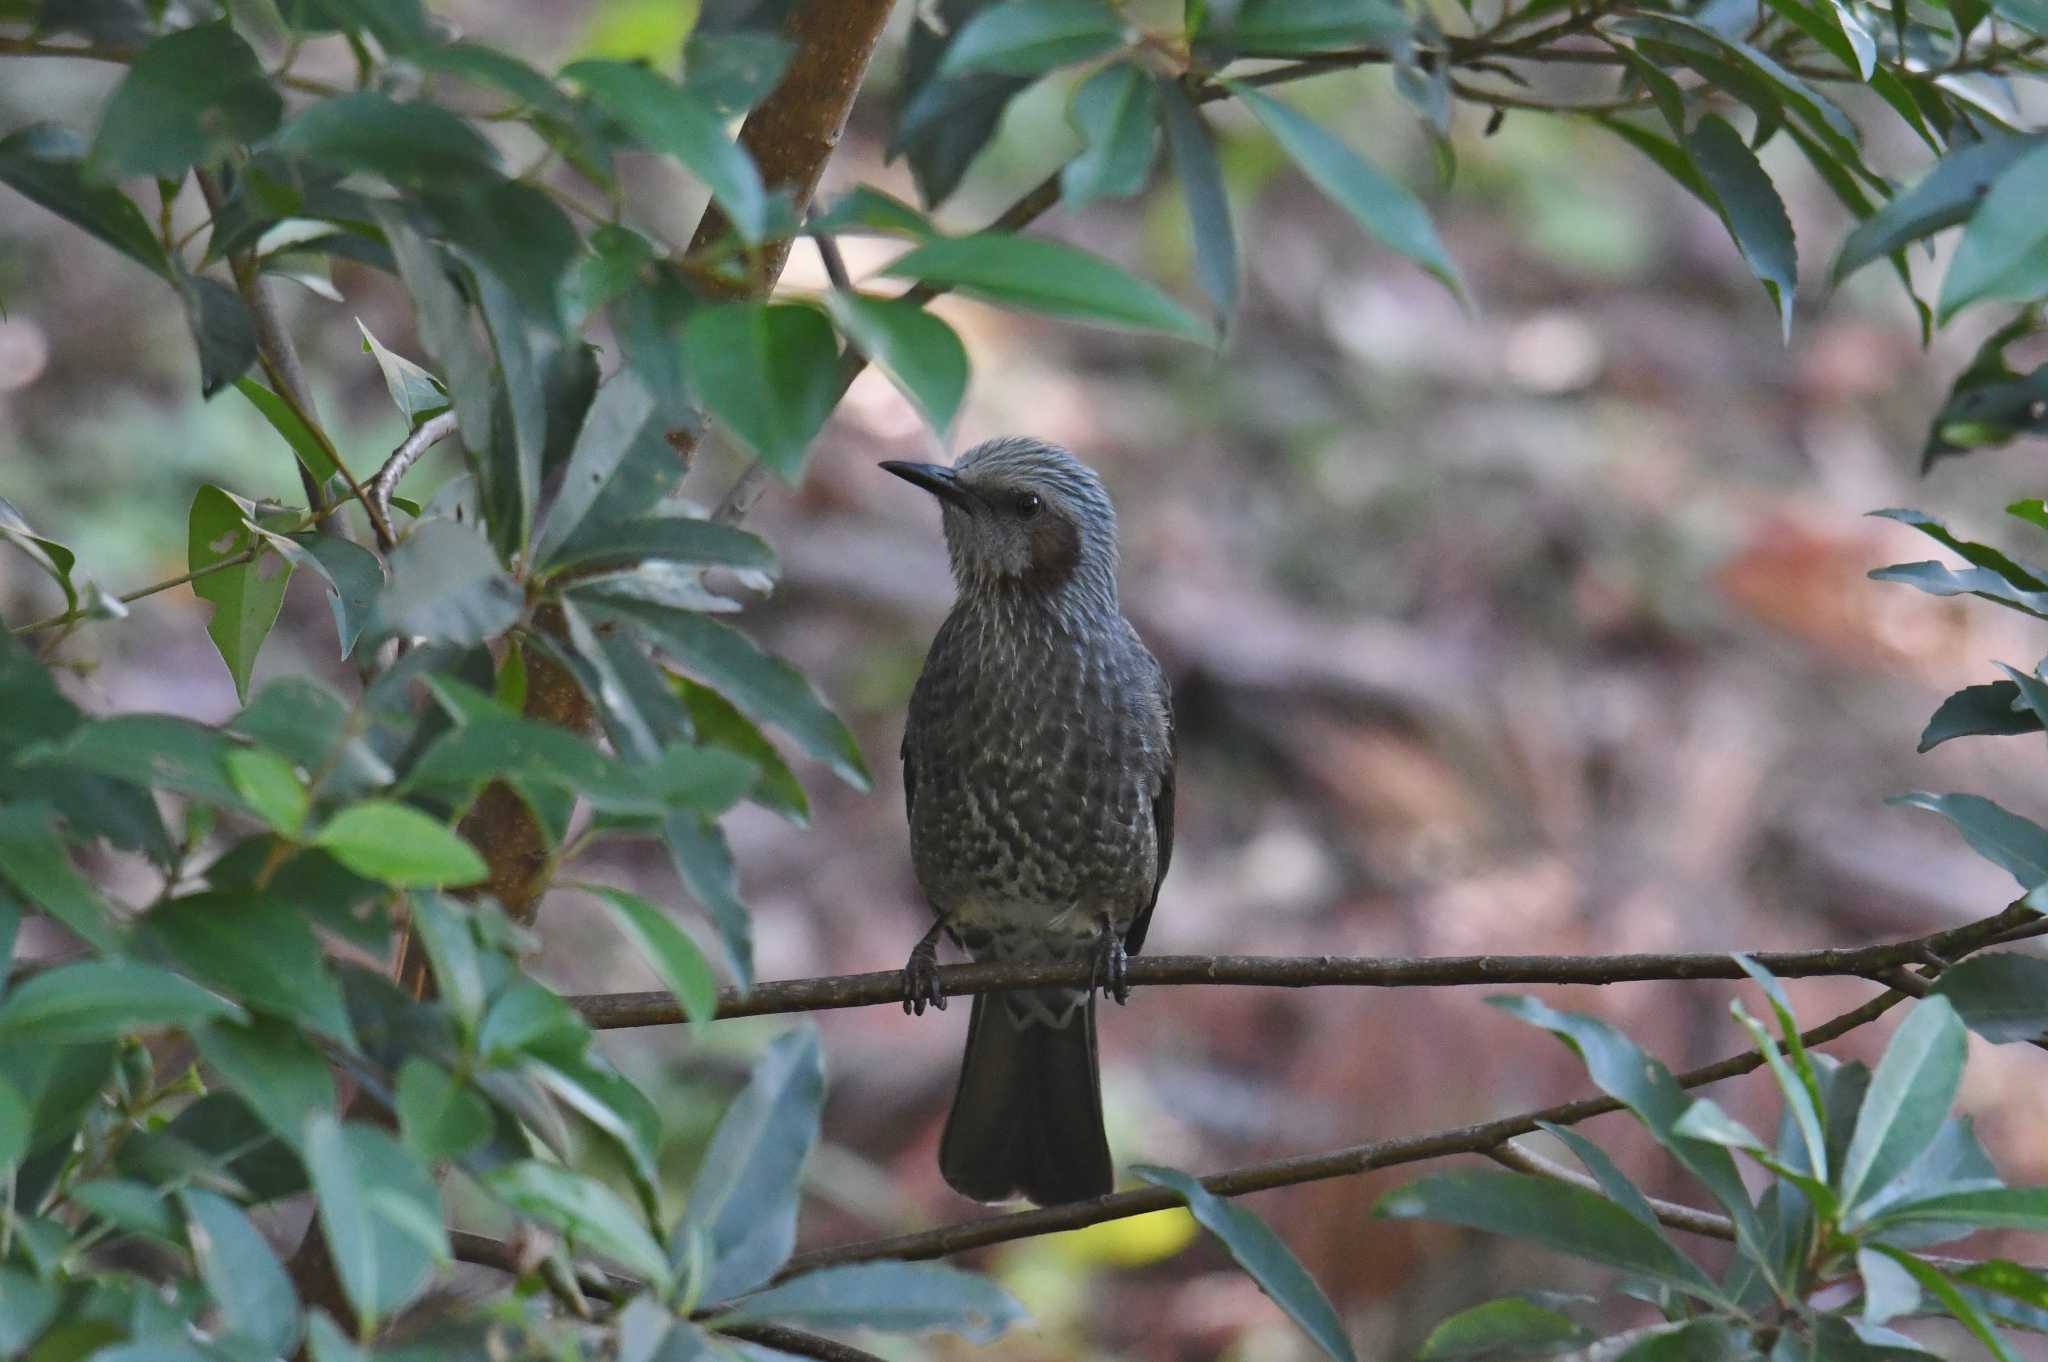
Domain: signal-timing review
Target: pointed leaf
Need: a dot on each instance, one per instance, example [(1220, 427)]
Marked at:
[(1507, 1327), (667, 948), (899, 1297), (102, 1000), (261, 950), (1116, 114), (678, 122), (286, 422), (2002, 996), (245, 598), (188, 98), (241, 1272), (1946, 196), (1264, 1257), (1910, 1094), (398, 845), (2004, 250), (1047, 276), (446, 586), (416, 393), (746, 1192), (586, 1210), (918, 351), (1750, 206), (769, 371), (275, 1067), (1553, 1214), (2018, 844), (382, 1265), (1193, 148), (1991, 709), (414, 144), (43, 162), (1027, 37), (1381, 206)]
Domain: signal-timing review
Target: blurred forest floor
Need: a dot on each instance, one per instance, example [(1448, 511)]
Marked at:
[(1543, 629)]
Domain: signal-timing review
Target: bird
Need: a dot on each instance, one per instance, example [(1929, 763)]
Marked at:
[(1038, 776)]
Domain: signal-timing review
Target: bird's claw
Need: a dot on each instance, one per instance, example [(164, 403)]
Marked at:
[(921, 980), (1112, 967)]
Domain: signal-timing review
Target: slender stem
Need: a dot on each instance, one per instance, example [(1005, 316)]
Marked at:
[(1691, 1219), (378, 503), (218, 565), (612, 1011)]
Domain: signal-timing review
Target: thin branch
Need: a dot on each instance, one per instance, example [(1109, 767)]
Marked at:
[(378, 503), (1691, 1219), (1259, 1177), (613, 1011), (796, 1341), (129, 598)]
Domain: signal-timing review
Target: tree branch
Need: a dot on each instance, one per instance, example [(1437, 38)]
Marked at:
[(1259, 1177), (378, 503), (1881, 963)]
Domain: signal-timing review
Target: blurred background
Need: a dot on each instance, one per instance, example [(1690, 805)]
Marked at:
[(1542, 628)]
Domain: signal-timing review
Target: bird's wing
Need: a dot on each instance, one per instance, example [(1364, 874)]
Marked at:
[(1162, 814), (909, 777)]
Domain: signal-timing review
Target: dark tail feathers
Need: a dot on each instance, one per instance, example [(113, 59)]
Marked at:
[(1027, 1117)]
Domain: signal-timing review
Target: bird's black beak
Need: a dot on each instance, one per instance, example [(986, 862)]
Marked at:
[(941, 481)]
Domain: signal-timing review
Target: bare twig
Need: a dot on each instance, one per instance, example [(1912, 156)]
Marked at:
[(796, 1341), (129, 598), (378, 503), (611, 1011)]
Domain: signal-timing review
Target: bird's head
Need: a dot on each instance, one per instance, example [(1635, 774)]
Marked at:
[(1023, 514)]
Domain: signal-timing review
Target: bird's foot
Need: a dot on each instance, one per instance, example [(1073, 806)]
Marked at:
[(1112, 966), (921, 976)]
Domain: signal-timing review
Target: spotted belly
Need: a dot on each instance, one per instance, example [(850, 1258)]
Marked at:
[(1009, 931)]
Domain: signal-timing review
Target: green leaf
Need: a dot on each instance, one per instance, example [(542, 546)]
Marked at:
[(1291, 26), (1751, 208), (2004, 250), (2002, 996), (443, 927), (189, 98), (446, 586), (2016, 843), (673, 120), (1385, 209), (241, 1273), (668, 538), (27, 1307), (1938, 579), (34, 858), (42, 162), (1029, 37), (1909, 1098), (261, 950), (1943, 1290), (148, 749), (667, 948), (591, 1214), (416, 393), (103, 1000), (416, 145), (745, 1195), (899, 1297), (1116, 115), (764, 687), (1624, 1072), (865, 210), (16, 1124), (2007, 1208), (1620, 1190), (1193, 149), (245, 598), (1554, 1214), (1508, 1327), (1948, 194), (921, 355), (445, 329), (1265, 1259), (734, 71), (2023, 576), (597, 485), (1977, 710), (528, 1018), (1888, 1289), (719, 724), (221, 330), (270, 785), (1990, 404), (135, 1207), (1050, 277), (441, 1118), (518, 235), (400, 846), (382, 1265), (276, 1069), (698, 850), (353, 574), (286, 422), (769, 371)]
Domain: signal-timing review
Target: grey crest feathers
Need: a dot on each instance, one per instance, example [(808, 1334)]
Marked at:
[(1022, 513)]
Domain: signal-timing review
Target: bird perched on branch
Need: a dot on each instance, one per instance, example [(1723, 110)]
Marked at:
[(1038, 765)]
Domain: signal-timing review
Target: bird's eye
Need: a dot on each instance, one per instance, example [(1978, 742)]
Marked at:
[(1028, 505)]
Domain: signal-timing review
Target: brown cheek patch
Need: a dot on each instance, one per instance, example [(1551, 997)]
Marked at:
[(1055, 553)]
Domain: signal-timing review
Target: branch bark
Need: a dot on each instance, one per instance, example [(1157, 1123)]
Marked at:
[(1887, 963), (1481, 1138)]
